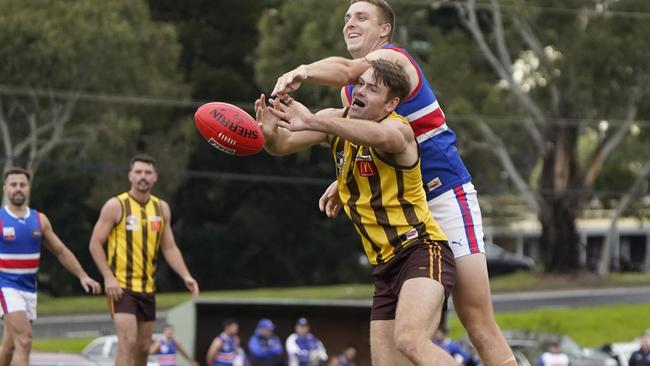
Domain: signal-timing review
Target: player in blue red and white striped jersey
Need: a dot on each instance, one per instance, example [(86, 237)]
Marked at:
[(167, 347), (23, 230), (225, 347), (451, 196)]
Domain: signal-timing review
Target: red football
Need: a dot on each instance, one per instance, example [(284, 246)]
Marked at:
[(229, 129)]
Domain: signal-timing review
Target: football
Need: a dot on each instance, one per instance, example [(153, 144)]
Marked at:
[(229, 128)]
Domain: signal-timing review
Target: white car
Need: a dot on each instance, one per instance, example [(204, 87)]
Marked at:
[(102, 351)]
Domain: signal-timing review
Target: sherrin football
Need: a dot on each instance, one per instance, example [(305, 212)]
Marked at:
[(228, 128)]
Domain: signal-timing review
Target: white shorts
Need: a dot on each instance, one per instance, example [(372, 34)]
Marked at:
[(459, 216), (12, 300)]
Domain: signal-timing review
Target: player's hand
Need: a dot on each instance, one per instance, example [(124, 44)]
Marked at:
[(112, 288), (290, 81), (192, 286), (330, 202), (265, 119), (291, 114), (90, 285)]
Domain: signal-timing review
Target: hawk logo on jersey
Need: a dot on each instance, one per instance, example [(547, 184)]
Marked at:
[(340, 162), (9, 233), (366, 166), (132, 223), (154, 223)]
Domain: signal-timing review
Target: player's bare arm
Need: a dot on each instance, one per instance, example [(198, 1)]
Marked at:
[(390, 135), (330, 202), (109, 216), (173, 255), (212, 351), (340, 71), (66, 258), (184, 353), (155, 347), (281, 141)]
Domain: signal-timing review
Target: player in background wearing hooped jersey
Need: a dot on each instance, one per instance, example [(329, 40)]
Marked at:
[(166, 347), (225, 347), (22, 231), (452, 199)]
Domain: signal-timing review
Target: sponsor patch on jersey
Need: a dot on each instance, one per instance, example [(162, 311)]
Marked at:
[(411, 234), (37, 233), (9, 233), (132, 223), (154, 223), (433, 184), (365, 165)]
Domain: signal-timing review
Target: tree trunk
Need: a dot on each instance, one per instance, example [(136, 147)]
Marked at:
[(561, 200)]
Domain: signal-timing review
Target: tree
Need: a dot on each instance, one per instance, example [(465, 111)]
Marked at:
[(558, 91)]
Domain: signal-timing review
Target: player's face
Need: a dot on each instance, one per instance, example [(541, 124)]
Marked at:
[(369, 99), (302, 329), (363, 29), (16, 189), (232, 329), (169, 333), (142, 176)]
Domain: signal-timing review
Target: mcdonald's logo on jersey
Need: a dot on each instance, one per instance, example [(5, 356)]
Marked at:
[(366, 166)]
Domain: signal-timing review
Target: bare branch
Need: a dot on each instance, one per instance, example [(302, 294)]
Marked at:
[(502, 48), (612, 141), (623, 204), (6, 136), (499, 149)]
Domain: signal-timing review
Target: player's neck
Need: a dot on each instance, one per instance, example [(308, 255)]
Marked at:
[(141, 197), (363, 52), (19, 211)]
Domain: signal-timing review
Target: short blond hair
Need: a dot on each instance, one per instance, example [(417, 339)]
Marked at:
[(386, 13)]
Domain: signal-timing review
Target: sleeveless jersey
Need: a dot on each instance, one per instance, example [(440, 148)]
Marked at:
[(385, 202), (20, 249), (553, 359), (167, 352), (441, 165), (133, 243), (228, 351)]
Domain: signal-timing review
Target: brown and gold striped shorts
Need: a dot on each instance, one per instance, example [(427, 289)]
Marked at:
[(423, 258)]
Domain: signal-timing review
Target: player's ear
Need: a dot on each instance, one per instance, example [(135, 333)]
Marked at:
[(385, 29), (392, 104)]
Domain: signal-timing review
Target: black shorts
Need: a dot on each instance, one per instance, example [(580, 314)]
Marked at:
[(140, 304), (424, 258)]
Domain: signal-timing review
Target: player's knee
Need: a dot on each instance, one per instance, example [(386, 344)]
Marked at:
[(23, 341), (407, 343), (128, 343)]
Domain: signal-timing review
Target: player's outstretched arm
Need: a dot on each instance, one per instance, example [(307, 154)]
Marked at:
[(173, 255), (334, 71), (66, 258), (109, 216), (280, 141), (212, 351), (184, 353)]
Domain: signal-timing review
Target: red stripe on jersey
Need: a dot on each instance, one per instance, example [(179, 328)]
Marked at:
[(3, 302), (428, 122), (19, 263)]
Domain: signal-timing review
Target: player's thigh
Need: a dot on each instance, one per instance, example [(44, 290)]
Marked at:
[(126, 327), (18, 325), (419, 307), (471, 295)]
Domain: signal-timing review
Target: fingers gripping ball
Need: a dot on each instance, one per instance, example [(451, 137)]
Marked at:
[(229, 129)]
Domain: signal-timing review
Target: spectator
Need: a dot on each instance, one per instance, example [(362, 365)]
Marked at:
[(303, 348), (553, 357), (345, 358), (642, 356), (264, 346), (442, 340)]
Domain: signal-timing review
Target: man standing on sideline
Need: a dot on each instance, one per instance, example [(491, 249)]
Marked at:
[(166, 349), (642, 356), (23, 230), (377, 164), (554, 357), (452, 199), (264, 346), (134, 225), (303, 348)]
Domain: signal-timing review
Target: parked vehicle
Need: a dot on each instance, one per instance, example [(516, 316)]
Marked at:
[(102, 351), (501, 261), (59, 359), (621, 351)]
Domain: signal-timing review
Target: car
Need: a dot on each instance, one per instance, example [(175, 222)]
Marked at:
[(621, 351), (501, 261), (59, 359), (102, 350)]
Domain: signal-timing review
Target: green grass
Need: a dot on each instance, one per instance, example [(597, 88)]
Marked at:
[(73, 345), (589, 327)]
